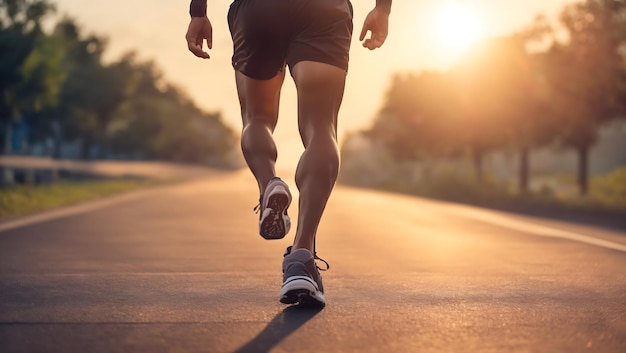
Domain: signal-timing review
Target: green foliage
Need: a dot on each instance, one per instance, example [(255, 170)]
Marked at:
[(27, 82), (607, 194), (609, 191), (25, 15), (587, 74), (59, 85), (452, 186), (585, 71), (417, 116), (503, 96), (161, 122)]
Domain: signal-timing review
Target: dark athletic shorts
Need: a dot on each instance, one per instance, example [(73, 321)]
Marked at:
[(267, 34)]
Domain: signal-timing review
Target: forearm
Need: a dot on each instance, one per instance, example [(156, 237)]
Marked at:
[(198, 8), (384, 5)]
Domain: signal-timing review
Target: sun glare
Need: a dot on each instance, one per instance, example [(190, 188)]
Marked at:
[(458, 27)]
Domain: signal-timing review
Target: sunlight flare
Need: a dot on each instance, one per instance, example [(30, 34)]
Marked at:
[(458, 27)]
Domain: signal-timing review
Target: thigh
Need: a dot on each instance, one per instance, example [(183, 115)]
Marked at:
[(259, 99), (260, 37), (322, 32), (320, 89)]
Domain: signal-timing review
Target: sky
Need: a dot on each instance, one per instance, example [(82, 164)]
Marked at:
[(156, 29)]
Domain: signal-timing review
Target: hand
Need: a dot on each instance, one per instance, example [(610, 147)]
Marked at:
[(376, 22), (200, 29)]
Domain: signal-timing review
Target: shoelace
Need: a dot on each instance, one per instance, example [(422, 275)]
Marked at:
[(257, 208), (315, 257)]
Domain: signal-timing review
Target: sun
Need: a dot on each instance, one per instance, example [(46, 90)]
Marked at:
[(458, 27)]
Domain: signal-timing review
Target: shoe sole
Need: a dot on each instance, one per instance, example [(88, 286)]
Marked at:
[(301, 290), (273, 224)]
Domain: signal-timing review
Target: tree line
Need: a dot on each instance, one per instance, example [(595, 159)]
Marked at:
[(57, 83), (542, 85)]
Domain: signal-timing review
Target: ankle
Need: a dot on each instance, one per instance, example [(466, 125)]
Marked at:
[(309, 248)]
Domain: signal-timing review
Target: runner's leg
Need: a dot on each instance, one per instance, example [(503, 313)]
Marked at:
[(259, 100), (320, 91)]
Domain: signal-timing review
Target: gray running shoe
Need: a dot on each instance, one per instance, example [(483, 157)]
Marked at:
[(302, 282), (274, 223)]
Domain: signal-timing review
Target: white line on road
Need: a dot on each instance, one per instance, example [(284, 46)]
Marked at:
[(70, 210), (535, 229)]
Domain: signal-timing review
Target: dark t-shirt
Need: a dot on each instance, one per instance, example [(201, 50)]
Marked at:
[(197, 8)]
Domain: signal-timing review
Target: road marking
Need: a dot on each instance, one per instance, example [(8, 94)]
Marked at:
[(536, 229), (67, 211)]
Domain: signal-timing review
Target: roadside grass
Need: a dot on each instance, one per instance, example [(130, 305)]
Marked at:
[(17, 200), (606, 195), (606, 192)]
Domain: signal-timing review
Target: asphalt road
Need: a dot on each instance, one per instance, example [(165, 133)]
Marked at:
[(182, 269)]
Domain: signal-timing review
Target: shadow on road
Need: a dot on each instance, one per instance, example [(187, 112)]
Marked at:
[(282, 325)]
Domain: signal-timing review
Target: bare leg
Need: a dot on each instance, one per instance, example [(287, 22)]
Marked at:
[(320, 91), (259, 101)]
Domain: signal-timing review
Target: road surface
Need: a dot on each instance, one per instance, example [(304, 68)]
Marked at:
[(182, 269)]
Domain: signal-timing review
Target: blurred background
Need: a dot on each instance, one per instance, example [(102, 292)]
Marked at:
[(476, 100)]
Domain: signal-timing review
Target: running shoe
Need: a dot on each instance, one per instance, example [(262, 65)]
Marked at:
[(302, 282), (274, 222)]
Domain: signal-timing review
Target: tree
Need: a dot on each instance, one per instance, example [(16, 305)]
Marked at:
[(515, 96), (27, 83), (531, 123), (414, 120), (59, 84), (92, 91), (487, 94), (587, 74), (161, 122)]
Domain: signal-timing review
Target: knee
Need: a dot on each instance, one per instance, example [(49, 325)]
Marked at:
[(259, 118), (257, 126)]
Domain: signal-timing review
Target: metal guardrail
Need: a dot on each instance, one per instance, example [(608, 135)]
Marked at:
[(27, 170), (34, 170)]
